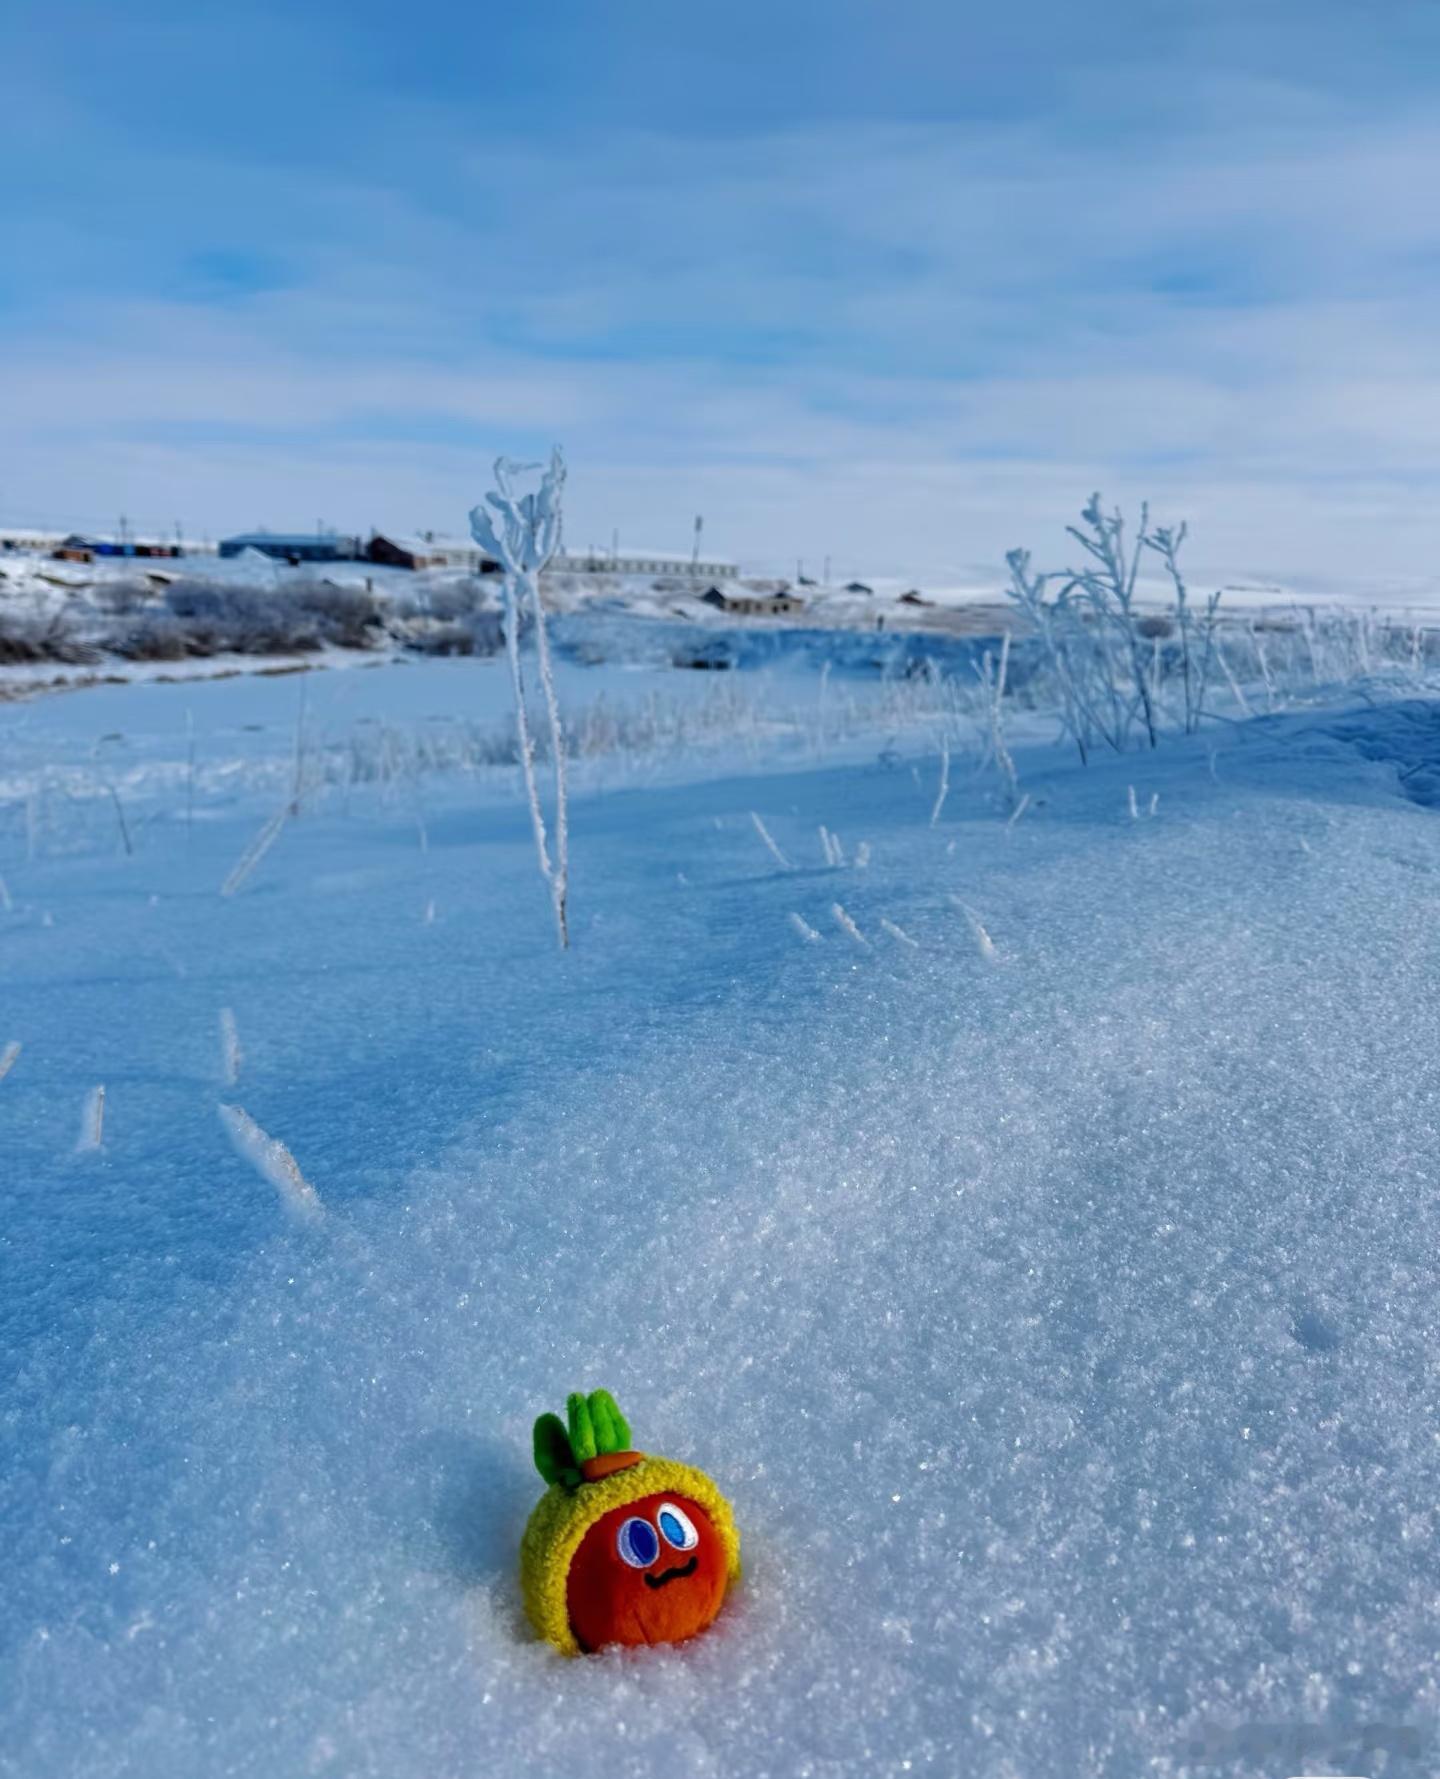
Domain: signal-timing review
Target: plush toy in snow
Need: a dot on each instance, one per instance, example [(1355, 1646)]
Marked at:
[(622, 1547)]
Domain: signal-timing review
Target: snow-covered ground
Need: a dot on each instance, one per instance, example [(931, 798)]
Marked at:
[(1049, 1274)]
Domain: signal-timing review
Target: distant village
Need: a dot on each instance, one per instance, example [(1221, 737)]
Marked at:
[(417, 551)]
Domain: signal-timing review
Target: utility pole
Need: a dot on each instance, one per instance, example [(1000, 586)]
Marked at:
[(827, 571), (695, 553), (615, 545)]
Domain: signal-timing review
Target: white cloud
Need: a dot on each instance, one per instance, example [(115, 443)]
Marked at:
[(909, 347)]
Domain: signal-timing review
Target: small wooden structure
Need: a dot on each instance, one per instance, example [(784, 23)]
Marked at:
[(747, 602)]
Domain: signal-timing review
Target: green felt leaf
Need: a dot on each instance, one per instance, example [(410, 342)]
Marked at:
[(554, 1458), (612, 1430), (582, 1428)]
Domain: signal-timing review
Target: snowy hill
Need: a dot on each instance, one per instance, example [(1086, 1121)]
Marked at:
[(1047, 1272)]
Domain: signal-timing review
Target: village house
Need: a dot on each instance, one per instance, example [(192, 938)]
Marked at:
[(746, 603), (428, 549)]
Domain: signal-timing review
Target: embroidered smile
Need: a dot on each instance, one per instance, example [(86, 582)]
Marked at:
[(676, 1574)]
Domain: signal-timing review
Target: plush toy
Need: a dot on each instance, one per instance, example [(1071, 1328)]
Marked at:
[(622, 1547)]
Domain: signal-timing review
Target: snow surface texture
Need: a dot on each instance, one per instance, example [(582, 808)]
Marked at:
[(1060, 1318)]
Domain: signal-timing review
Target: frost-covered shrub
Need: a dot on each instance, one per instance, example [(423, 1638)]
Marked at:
[(223, 618), (349, 617), (217, 617), (122, 599), (1104, 655), (27, 639), (481, 634), (459, 599), (158, 637)]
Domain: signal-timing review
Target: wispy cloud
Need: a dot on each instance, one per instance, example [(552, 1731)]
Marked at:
[(907, 342)]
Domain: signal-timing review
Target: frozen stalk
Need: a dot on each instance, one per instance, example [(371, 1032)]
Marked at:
[(983, 941), (256, 851), (944, 788), (770, 846), (846, 925), (92, 1122), (273, 1162), (5, 901), (523, 532), (804, 929), (9, 1056), (862, 856), (993, 678), (231, 1055), (899, 933), (1019, 810), (830, 844), (1134, 806)]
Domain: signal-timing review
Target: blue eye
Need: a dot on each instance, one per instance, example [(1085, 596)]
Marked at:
[(677, 1527), (637, 1543)]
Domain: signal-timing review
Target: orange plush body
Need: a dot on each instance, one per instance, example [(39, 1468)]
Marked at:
[(623, 1547), (614, 1597)]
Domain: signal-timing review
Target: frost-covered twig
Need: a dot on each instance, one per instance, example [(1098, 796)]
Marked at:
[(256, 851), (983, 941), (231, 1055), (9, 1056), (831, 847), (189, 775), (899, 933), (120, 818), (804, 929), (993, 679), (943, 789), (273, 1162), (846, 925), (523, 533), (1234, 683), (297, 789), (1110, 587), (92, 1122), (770, 846)]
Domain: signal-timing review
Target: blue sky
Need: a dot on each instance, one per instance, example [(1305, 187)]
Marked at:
[(895, 283)]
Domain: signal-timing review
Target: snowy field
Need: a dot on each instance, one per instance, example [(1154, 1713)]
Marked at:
[(1033, 1229)]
